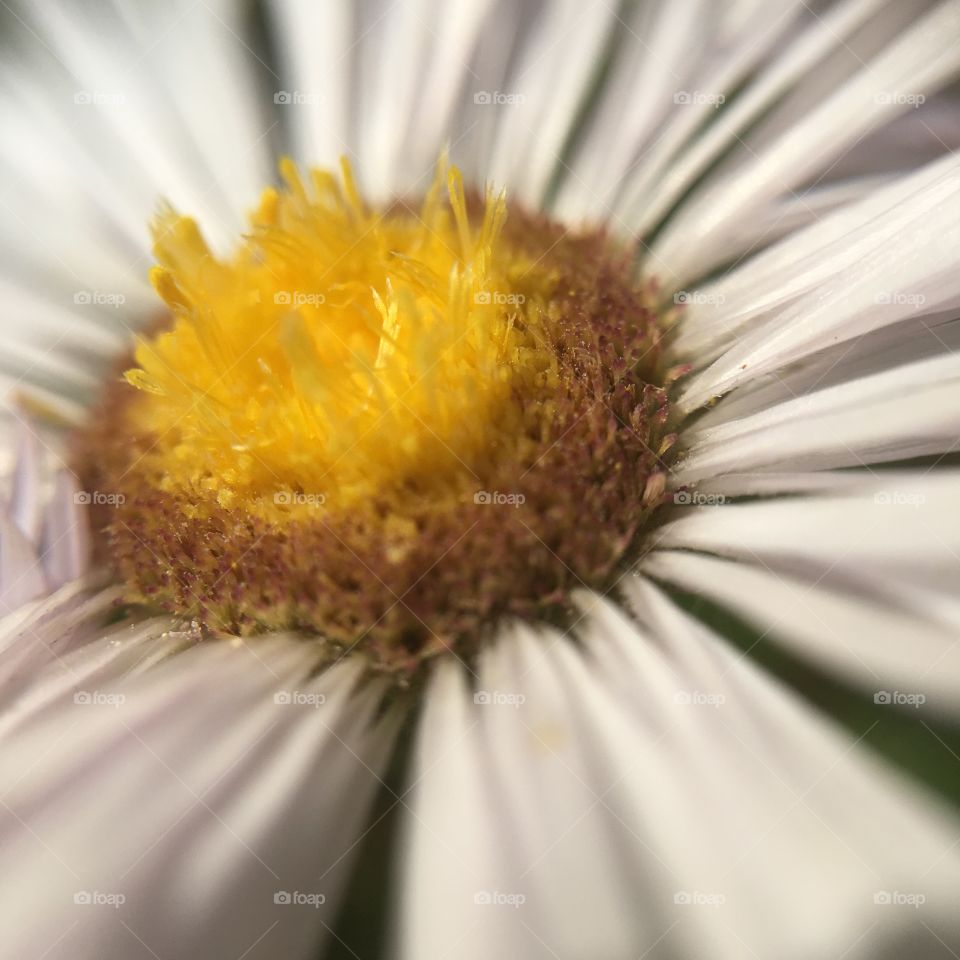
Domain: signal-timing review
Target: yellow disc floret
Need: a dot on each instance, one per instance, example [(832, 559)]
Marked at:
[(386, 429), (340, 353)]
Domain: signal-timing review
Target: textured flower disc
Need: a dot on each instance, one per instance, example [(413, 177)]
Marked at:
[(387, 429)]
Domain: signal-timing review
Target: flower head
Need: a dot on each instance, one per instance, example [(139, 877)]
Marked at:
[(546, 552)]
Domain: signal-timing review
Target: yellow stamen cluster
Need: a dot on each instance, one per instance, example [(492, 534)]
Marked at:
[(341, 355), (382, 428)]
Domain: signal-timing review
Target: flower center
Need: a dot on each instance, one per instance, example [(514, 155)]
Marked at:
[(385, 428)]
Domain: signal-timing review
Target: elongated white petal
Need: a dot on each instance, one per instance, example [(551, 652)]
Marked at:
[(910, 411), (515, 773), (659, 54), (129, 112), (395, 47), (21, 573), (317, 48), (652, 196), (787, 216), (56, 167), (805, 794), (864, 641), (62, 638), (26, 493), (550, 82), (228, 122), (920, 60), (904, 526), (890, 284), (820, 481), (806, 261), (915, 339), (224, 776), (446, 86), (609, 813), (44, 536), (65, 547)]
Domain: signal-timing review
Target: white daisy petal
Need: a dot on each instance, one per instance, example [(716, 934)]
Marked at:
[(891, 283), (910, 411), (63, 277), (919, 60), (777, 277), (57, 171), (820, 481), (650, 69), (395, 48), (53, 647), (786, 216), (501, 801), (652, 195), (317, 50), (21, 574), (62, 329), (130, 112), (45, 540), (918, 338), (26, 501), (208, 789), (815, 797), (446, 75), (65, 547), (551, 77), (908, 142), (611, 789), (228, 120), (864, 641), (904, 526)]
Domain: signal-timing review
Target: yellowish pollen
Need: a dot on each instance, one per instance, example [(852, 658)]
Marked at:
[(385, 429), (342, 354)]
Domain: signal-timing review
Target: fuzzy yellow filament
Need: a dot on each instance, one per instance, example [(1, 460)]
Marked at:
[(342, 354)]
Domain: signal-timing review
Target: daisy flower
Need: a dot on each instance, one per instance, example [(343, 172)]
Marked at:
[(480, 479)]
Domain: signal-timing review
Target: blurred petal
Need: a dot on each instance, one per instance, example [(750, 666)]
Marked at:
[(862, 640), (610, 813), (203, 806), (920, 59), (909, 411)]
